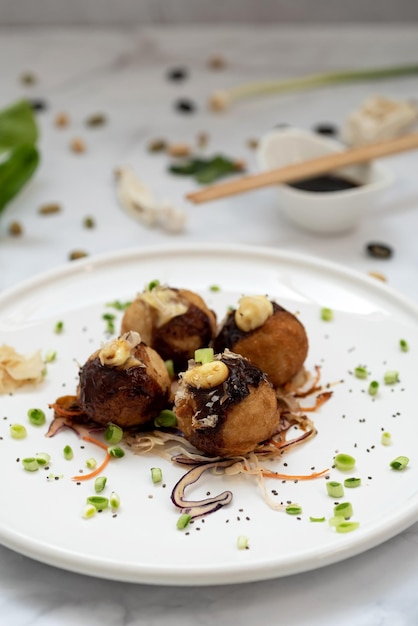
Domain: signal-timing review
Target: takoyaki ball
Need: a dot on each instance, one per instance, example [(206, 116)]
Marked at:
[(125, 382), (268, 335), (175, 322), (226, 407)]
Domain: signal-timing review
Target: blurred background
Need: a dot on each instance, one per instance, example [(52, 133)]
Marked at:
[(123, 12)]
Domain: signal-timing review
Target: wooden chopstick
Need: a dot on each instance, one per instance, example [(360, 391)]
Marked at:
[(306, 169)]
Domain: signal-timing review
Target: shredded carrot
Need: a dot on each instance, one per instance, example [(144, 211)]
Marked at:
[(101, 467), (319, 401), (270, 474), (59, 410)]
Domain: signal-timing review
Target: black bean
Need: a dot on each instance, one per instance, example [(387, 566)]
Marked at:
[(379, 250)]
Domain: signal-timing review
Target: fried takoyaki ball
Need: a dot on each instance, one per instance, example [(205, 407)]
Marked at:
[(268, 335), (175, 322), (126, 382), (226, 407)]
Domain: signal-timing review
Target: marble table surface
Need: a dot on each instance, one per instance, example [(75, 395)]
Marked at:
[(122, 74)]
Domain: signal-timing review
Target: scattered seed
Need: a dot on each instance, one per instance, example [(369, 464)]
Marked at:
[(38, 105), (252, 144), (62, 120), (77, 254), (77, 145), (49, 209), (179, 150), (326, 129), (378, 275), (97, 119), (217, 62), (202, 140), (157, 145), (177, 74), (185, 105), (15, 229), (88, 222), (379, 250), (28, 78)]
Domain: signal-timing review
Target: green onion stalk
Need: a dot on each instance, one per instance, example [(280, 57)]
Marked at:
[(221, 100)]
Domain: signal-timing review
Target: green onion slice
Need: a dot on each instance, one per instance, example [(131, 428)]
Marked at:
[(183, 521), (17, 431), (344, 509), (242, 542), (346, 527), (335, 489), (156, 475), (68, 453), (403, 344), (352, 482), (316, 519), (327, 314), (386, 438), (344, 462), (204, 355), (113, 433), (373, 388), (360, 372), (116, 452), (166, 419), (30, 464), (114, 500), (399, 463), (391, 377), (36, 417), (293, 509), (99, 502)]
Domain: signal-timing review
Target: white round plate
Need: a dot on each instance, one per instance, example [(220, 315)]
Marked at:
[(41, 517)]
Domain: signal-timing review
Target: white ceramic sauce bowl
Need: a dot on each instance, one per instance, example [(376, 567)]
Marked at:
[(321, 211)]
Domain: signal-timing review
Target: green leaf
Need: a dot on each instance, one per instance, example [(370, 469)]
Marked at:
[(17, 126), (16, 171), (206, 171)]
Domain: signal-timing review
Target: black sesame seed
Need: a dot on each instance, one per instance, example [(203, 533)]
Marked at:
[(379, 250), (177, 74), (38, 104), (184, 105), (326, 129)]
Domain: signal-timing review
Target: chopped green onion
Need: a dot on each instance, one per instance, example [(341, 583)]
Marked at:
[(214, 288), (113, 433), (346, 527), (360, 372), (345, 509), (316, 519), (352, 483), (89, 511), (335, 489), (109, 318), (404, 346), (30, 464), (166, 419), (183, 521), (373, 388), (100, 484), (91, 463), (153, 284), (170, 367), (68, 453), (114, 500), (118, 305), (116, 452), (36, 417), (156, 475), (399, 463), (391, 377), (50, 356), (43, 458), (344, 462), (336, 520), (327, 315), (386, 439), (17, 431), (59, 327), (242, 542), (293, 509), (99, 502), (204, 355)]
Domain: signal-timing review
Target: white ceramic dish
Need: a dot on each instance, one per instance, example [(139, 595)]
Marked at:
[(42, 518), (321, 212)]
